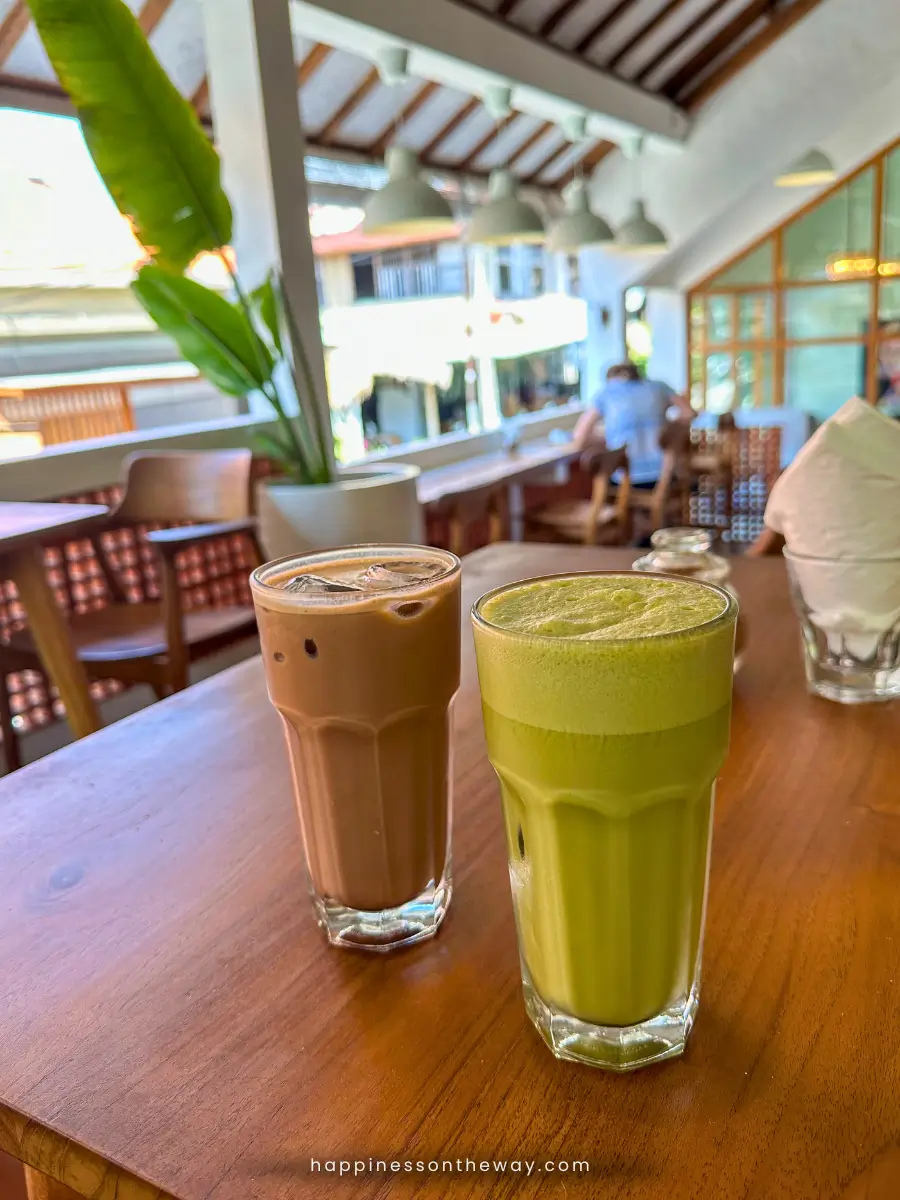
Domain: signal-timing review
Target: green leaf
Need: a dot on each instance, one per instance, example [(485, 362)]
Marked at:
[(145, 138), (270, 444), (213, 334), (263, 298)]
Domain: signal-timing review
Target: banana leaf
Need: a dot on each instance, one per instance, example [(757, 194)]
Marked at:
[(144, 137), (213, 334), (264, 299)]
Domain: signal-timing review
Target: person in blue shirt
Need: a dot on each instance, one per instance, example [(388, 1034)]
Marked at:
[(630, 413)]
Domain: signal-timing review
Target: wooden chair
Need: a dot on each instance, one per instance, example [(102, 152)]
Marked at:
[(668, 503), (155, 642), (468, 521), (602, 520), (73, 413)]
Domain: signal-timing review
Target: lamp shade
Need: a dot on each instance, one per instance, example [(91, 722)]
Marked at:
[(406, 203), (641, 234), (505, 218), (578, 226), (813, 167)]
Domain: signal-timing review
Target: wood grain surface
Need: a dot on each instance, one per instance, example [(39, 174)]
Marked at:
[(493, 470), (25, 524), (167, 1005)]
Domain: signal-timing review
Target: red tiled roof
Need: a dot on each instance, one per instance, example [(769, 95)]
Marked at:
[(356, 242)]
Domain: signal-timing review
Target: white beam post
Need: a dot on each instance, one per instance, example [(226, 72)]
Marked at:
[(472, 51), (253, 93)]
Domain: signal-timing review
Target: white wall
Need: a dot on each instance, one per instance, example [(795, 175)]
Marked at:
[(831, 80)]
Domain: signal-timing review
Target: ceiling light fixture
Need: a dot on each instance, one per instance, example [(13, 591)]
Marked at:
[(811, 168), (406, 203), (506, 218), (639, 234), (579, 226)]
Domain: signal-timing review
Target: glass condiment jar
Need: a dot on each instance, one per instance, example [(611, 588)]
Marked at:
[(688, 552)]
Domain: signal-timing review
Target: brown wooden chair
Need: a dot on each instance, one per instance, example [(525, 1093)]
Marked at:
[(468, 521), (668, 503), (155, 641), (602, 520), (71, 414)]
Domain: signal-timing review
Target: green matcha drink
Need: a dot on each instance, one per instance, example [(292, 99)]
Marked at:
[(606, 705)]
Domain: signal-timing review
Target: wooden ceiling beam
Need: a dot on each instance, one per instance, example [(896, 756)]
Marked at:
[(654, 23), (679, 40), (12, 28), (200, 98), (412, 106), (550, 158), (364, 88), (601, 26), (506, 8), (530, 141), (715, 47), (312, 62), (152, 13), (779, 23), (450, 127), (465, 163), (556, 18), (588, 163)]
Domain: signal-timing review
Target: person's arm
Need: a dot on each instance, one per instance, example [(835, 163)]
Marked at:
[(681, 403), (586, 429)]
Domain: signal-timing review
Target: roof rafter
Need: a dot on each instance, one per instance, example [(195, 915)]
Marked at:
[(679, 39), (601, 26), (366, 85), (412, 106), (12, 28), (779, 23), (654, 23), (451, 126)]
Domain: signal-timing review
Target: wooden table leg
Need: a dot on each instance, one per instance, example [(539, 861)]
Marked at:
[(25, 567), (42, 1187)]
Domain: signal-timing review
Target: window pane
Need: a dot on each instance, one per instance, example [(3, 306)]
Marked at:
[(755, 268), (697, 380), (755, 316), (719, 383), (890, 244), (753, 378), (887, 387), (840, 225), (835, 310), (819, 379), (889, 300), (718, 319)]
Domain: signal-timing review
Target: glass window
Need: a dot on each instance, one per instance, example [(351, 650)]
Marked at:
[(718, 319), (364, 277), (819, 379), (833, 310), (753, 378), (719, 383), (755, 316), (753, 270), (840, 225), (889, 300), (697, 380), (890, 230)]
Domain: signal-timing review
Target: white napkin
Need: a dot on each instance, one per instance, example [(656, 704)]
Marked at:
[(840, 497)]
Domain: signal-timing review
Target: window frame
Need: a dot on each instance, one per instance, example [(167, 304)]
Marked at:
[(699, 345)]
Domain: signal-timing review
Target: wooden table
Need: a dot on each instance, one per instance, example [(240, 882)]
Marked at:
[(488, 472), (169, 1012), (24, 528)]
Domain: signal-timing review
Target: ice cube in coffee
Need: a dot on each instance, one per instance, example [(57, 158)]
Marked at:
[(361, 648)]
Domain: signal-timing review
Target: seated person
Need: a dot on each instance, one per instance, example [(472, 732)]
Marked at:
[(630, 412)]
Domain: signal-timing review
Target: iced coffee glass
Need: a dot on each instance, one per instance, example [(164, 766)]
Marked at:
[(361, 647)]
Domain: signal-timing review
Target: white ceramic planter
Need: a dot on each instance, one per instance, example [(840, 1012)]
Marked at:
[(366, 504)]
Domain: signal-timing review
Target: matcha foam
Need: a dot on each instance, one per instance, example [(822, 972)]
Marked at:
[(606, 653), (589, 607)]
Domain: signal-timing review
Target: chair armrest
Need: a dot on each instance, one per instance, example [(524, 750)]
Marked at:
[(172, 541)]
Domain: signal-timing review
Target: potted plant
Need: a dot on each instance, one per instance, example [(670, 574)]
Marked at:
[(164, 175)]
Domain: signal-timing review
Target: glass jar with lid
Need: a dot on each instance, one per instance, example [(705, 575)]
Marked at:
[(688, 552)]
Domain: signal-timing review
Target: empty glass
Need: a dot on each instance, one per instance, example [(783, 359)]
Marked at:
[(849, 611)]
